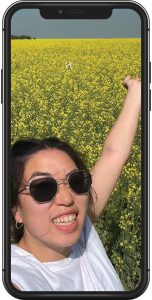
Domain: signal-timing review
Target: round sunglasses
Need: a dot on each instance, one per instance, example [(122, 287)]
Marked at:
[(44, 189)]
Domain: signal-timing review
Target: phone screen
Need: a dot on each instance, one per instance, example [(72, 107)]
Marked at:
[(67, 82)]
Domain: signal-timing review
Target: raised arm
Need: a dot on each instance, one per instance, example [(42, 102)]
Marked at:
[(117, 147)]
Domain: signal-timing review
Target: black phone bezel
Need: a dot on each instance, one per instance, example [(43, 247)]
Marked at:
[(7, 145)]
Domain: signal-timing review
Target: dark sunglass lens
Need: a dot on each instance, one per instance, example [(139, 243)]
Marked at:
[(43, 189), (80, 182)]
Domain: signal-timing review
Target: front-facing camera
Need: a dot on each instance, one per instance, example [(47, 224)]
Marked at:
[(60, 11)]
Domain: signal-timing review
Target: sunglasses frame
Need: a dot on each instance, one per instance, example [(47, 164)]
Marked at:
[(57, 182)]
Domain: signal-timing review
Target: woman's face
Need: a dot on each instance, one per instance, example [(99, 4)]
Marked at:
[(45, 223)]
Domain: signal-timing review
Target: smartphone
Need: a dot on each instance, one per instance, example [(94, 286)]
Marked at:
[(76, 106)]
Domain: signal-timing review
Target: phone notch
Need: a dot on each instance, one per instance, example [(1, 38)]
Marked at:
[(76, 12)]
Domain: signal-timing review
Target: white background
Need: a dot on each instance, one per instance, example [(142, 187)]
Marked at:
[(3, 293)]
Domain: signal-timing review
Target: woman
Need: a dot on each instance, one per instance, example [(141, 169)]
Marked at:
[(55, 200)]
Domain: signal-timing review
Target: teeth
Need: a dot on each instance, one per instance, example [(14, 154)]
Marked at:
[(65, 220), (70, 218)]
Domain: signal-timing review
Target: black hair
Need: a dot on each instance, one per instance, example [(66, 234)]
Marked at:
[(21, 151)]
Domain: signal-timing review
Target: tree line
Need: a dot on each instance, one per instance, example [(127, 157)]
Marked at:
[(21, 37)]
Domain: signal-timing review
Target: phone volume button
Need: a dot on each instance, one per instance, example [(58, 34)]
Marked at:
[(150, 72), (150, 100), (1, 86)]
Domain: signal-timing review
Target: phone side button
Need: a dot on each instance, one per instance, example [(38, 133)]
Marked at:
[(150, 72), (1, 86), (150, 100)]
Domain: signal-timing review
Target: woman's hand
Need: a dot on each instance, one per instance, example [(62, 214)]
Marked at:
[(133, 86), (132, 83)]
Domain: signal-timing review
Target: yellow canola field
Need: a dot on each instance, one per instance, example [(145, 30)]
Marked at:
[(73, 89)]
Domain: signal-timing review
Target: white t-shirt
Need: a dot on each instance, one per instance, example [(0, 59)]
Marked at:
[(87, 268)]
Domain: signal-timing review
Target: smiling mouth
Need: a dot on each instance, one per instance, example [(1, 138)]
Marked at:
[(65, 220)]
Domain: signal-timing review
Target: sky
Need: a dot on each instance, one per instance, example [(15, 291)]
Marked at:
[(123, 23)]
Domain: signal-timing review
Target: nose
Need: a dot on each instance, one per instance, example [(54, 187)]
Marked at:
[(64, 195)]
